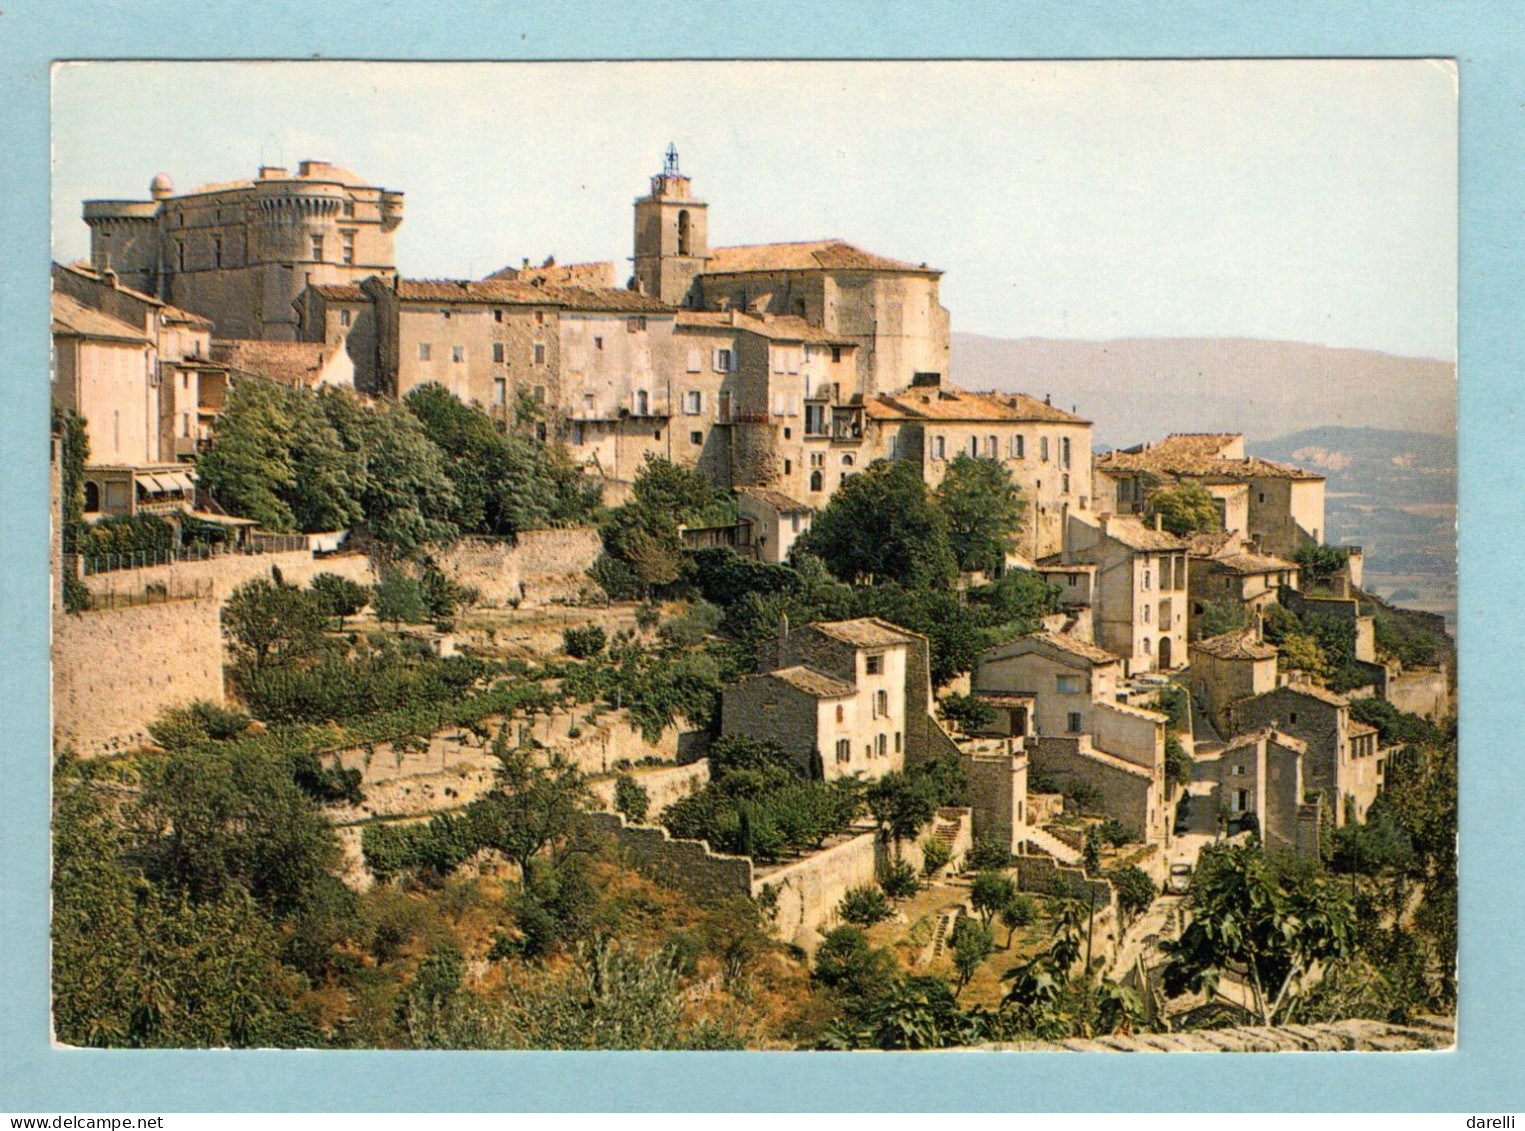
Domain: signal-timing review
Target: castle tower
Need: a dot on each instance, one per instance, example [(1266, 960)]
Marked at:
[(671, 236)]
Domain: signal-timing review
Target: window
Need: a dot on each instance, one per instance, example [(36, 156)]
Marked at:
[(991, 450), (696, 437), (894, 447), (1072, 722), (1262, 496), (897, 745), (1018, 449), (1146, 579), (1292, 718), (180, 259), (216, 252), (500, 390), (498, 352), (794, 523), (844, 750), (974, 447), (1064, 483), (344, 317), (873, 665), (642, 403), (693, 361), (539, 318), (457, 354), (723, 361), (425, 350), (539, 355), (347, 246), (1236, 771), (598, 343), (847, 459), (635, 324), (1043, 449), (1146, 614), (882, 745), (815, 481), (1064, 452), (684, 232), (497, 316), (1241, 800), (815, 420), (348, 208), (881, 704), (841, 713), (817, 459), (788, 467), (939, 449), (1068, 684), (788, 433), (317, 248), (693, 402)]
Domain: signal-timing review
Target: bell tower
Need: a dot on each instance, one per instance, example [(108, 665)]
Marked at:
[(671, 236)]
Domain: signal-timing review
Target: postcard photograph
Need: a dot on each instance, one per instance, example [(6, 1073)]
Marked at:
[(755, 555)]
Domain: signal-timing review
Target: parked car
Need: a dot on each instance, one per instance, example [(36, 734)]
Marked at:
[(1178, 882)]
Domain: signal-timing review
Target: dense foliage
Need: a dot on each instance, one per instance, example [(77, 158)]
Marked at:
[(883, 525), (1185, 509), (984, 509), (643, 549)]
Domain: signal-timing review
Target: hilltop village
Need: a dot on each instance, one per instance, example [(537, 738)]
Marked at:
[(693, 648)]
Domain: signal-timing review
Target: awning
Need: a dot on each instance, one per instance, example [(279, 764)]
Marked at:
[(182, 481)]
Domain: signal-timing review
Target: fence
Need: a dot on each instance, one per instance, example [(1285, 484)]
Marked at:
[(88, 564), (152, 595)]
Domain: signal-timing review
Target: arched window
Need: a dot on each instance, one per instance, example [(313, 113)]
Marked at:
[(642, 403), (683, 232), (847, 459), (92, 497), (815, 480)]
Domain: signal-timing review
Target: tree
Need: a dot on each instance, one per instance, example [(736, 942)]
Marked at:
[(990, 892), (902, 805), (1018, 911), (339, 597), (271, 624), (583, 642), (864, 906), (1186, 509), (984, 510), (532, 810), (968, 713), (934, 856), (1179, 766), (408, 498), (857, 974), (1219, 617), (1135, 890), (631, 799), (1317, 563), (1300, 651), (972, 944), (883, 525), (899, 880), (398, 599), (1276, 920)]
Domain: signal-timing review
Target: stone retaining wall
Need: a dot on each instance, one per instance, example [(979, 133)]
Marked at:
[(539, 567), (687, 865), (663, 785), (227, 572)]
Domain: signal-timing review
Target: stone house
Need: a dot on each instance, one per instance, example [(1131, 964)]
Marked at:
[(777, 521), (1138, 588), (1261, 773), (241, 253), (1278, 506), (1229, 668), (1225, 568), (1045, 449), (1060, 695), (1321, 719), (847, 698)]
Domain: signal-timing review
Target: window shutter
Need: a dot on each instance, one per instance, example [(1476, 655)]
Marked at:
[(694, 363)]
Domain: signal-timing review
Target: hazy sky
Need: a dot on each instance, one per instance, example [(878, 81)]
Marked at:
[(1309, 200)]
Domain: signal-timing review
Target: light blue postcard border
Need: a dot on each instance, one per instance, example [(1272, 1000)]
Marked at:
[(1488, 41)]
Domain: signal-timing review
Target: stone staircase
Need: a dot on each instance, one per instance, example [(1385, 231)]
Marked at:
[(1050, 845), (945, 830), (946, 919)]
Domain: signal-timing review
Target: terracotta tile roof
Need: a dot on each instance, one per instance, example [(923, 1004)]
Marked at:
[(551, 273), (509, 293), (865, 632), (185, 317), (945, 402), (778, 327), (1247, 563), (1197, 456), (775, 499), (812, 682), (1237, 645), (1212, 543), (1358, 729), (1312, 691), (810, 255), (291, 363), (340, 292), (1068, 644), (73, 318), (1266, 734), (1136, 535)]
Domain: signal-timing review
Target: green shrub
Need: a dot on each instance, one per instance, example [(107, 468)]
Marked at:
[(988, 854), (968, 712), (631, 799), (934, 856), (581, 643), (899, 881), (698, 621), (77, 596), (179, 727), (864, 906)]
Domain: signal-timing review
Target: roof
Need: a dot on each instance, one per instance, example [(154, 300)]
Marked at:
[(775, 499), (1055, 563), (1004, 698), (1312, 691), (809, 255), (812, 682), (185, 317), (1211, 543), (1136, 712), (1198, 456), (778, 327), (291, 363), (946, 402), (599, 273), (1240, 644), (511, 293), (1068, 644), (1134, 534), (1268, 734), (1358, 729), (864, 632), (74, 318), (340, 292), (1252, 563)]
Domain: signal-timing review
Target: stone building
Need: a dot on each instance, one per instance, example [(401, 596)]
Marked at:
[(1046, 450), (241, 253), (1060, 694), (1321, 719), (1138, 587), (1260, 773), (1278, 506), (1224, 570), (777, 521), (1228, 668), (846, 698)]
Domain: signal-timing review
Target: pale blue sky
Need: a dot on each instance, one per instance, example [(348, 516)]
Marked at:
[(1309, 200)]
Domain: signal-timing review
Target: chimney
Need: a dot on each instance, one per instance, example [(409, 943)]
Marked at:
[(1159, 521), (526, 265), (1048, 399), (783, 639)]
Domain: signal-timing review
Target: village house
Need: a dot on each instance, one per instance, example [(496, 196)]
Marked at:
[(1223, 569), (1060, 694), (777, 521), (241, 253), (1228, 668), (1260, 775), (1278, 506), (1137, 587), (1349, 781), (846, 698)]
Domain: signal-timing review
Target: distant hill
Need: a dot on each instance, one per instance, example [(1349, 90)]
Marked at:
[(1137, 389), (1392, 493)]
